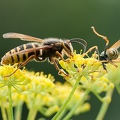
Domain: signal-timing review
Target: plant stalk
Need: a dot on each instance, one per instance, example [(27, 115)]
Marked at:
[(104, 106), (10, 103), (56, 117)]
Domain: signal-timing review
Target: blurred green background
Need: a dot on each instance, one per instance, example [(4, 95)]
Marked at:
[(63, 19)]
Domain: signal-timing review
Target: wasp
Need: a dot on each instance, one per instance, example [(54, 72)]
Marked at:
[(110, 54), (51, 49)]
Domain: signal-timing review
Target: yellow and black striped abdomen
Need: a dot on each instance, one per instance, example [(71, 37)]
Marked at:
[(20, 53)]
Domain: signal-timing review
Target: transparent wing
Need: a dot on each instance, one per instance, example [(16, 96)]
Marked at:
[(31, 50), (115, 45), (22, 37)]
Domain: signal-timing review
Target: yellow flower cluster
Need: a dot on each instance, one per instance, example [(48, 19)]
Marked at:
[(41, 93), (90, 72), (19, 80), (38, 91)]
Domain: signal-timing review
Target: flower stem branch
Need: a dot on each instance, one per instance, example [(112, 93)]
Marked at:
[(56, 117), (32, 112), (4, 115), (69, 115), (18, 111), (104, 106), (10, 103)]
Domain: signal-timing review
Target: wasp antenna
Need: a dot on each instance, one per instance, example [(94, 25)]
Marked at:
[(84, 46), (99, 35), (79, 41)]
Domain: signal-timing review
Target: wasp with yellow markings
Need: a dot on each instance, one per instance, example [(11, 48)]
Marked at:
[(52, 49), (109, 55)]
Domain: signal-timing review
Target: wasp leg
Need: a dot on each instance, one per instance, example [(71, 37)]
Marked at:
[(60, 55), (60, 71), (21, 65), (104, 66), (66, 50), (111, 62), (108, 61), (90, 49)]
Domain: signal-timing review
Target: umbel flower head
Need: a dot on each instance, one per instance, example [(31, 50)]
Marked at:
[(37, 91), (19, 80), (89, 71), (47, 97), (87, 74)]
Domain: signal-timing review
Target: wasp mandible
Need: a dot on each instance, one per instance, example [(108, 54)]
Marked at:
[(40, 50)]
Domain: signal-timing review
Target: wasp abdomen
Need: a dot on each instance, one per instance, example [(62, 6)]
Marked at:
[(113, 54), (20, 54)]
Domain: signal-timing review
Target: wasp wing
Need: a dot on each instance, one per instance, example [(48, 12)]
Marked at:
[(22, 37), (115, 45), (31, 50)]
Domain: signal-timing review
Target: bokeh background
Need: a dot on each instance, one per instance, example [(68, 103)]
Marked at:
[(63, 19)]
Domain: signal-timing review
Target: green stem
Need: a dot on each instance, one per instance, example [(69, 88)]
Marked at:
[(69, 115), (62, 114), (4, 116), (10, 103), (18, 111), (98, 96), (56, 117), (104, 106), (32, 112)]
